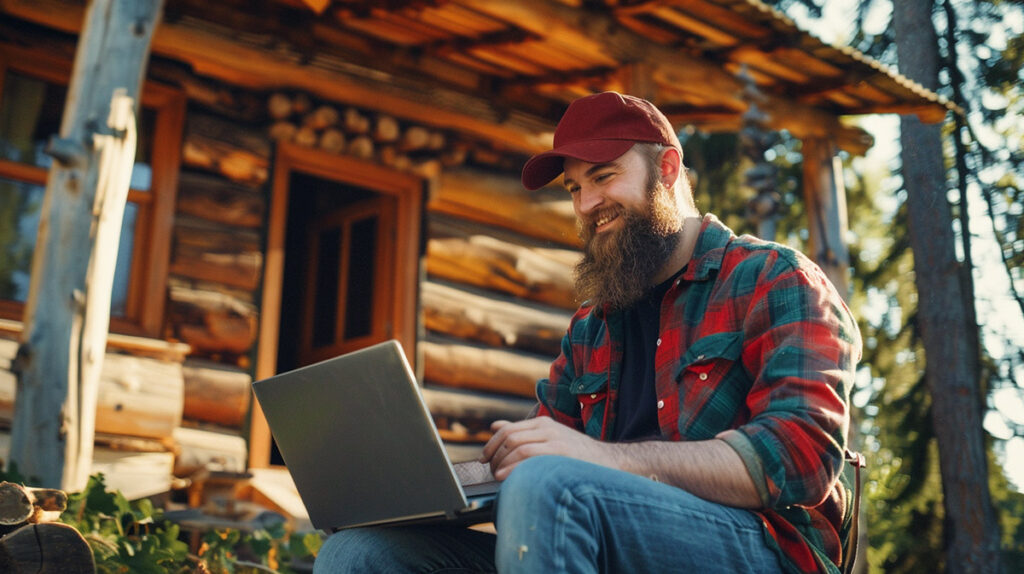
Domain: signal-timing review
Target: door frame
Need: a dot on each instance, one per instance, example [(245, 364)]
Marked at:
[(407, 191)]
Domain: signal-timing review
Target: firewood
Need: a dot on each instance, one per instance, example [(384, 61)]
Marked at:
[(322, 118), (437, 141), (332, 140), (390, 156), (15, 505), (283, 131), (361, 147), (279, 106), (51, 548), (414, 138), (386, 129), (20, 505), (429, 169), (306, 136), (354, 122)]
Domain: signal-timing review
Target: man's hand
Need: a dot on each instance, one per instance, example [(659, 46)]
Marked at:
[(710, 469), (513, 443)]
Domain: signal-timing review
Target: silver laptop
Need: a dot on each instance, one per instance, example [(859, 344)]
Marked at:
[(358, 440)]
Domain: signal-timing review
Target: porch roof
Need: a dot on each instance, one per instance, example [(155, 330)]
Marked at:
[(507, 70)]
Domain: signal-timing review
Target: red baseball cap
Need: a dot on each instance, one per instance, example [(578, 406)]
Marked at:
[(598, 129)]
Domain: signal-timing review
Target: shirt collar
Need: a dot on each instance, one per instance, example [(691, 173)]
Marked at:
[(709, 251)]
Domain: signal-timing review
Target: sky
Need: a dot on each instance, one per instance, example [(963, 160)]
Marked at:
[(997, 310)]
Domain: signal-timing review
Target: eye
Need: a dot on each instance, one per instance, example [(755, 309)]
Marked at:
[(572, 188), (602, 177)]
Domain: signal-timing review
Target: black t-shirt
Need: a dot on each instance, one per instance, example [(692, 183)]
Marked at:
[(636, 414)]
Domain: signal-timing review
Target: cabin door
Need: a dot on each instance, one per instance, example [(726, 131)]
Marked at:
[(342, 265)]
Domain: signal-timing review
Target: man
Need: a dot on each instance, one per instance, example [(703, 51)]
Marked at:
[(696, 418)]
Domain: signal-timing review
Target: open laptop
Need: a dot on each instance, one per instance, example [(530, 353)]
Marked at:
[(358, 440)]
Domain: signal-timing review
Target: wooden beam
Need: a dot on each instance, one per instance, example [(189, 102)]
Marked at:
[(671, 67), (221, 57), (67, 313), (825, 198)]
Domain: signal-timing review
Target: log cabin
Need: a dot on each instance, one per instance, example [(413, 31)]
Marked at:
[(315, 176)]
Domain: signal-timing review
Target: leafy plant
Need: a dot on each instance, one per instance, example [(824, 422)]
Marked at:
[(137, 538)]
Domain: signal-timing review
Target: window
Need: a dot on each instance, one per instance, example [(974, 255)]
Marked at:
[(33, 90)]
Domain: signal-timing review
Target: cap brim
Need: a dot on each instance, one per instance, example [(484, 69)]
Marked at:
[(544, 167)]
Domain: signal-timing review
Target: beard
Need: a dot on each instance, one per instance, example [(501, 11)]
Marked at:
[(618, 268)]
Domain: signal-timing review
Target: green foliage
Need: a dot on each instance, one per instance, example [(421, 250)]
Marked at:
[(136, 537)]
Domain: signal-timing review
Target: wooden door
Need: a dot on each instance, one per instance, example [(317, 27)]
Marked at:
[(342, 265), (347, 279)]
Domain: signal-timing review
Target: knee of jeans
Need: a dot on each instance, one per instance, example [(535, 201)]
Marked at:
[(541, 476), (347, 551)]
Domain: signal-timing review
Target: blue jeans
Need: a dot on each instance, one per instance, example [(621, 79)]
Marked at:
[(558, 514)]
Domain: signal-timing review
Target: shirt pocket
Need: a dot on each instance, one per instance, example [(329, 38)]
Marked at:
[(713, 386), (592, 393)]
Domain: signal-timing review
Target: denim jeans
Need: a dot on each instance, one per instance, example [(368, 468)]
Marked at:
[(558, 514)]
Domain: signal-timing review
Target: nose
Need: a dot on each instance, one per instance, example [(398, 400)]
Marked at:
[(587, 200)]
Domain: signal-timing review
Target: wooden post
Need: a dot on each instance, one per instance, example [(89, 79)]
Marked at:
[(68, 307), (825, 196)]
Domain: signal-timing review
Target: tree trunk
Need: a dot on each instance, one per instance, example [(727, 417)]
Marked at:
[(68, 309), (952, 369)]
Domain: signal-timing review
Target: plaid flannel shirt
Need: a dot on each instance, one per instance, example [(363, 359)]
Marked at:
[(754, 340)]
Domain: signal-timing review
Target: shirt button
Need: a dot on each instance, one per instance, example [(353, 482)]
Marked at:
[(703, 376), (700, 357), (659, 342), (661, 404), (594, 396)]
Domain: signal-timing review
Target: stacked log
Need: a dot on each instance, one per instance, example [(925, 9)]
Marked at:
[(30, 540), (359, 133), (138, 396), (475, 255), (217, 259), (216, 393)]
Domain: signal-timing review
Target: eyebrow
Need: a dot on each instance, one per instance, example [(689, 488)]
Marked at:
[(593, 169)]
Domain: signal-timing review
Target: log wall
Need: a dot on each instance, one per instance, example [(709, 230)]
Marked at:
[(496, 262), (497, 293)]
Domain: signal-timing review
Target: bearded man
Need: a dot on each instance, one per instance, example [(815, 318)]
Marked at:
[(696, 418)]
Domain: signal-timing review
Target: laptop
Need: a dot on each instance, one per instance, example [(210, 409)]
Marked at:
[(359, 442)]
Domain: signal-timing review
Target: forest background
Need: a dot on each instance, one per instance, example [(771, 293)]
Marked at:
[(912, 506)]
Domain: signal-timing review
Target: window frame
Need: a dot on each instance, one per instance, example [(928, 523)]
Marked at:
[(146, 301)]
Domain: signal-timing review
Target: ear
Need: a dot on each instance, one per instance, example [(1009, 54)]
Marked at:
[(670, 164)]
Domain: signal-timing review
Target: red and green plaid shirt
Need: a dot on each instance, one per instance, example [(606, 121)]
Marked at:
[(754, 340)]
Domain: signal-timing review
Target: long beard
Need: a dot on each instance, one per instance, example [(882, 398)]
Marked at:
[(617, 269)]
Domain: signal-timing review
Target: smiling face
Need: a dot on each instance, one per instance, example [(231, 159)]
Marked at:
[(629, 221)]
